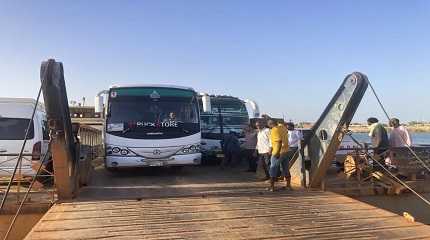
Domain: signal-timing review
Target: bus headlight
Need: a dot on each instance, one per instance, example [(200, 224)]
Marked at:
[(190, 149), (124, 152), (119, 151), (116, 150)]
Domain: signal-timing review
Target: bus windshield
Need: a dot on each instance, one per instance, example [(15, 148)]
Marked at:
[(15, 128), (211, 123), (228, 105), (230, 112), (152, 113)]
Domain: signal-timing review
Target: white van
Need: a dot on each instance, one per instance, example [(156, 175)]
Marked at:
[(15, 115)]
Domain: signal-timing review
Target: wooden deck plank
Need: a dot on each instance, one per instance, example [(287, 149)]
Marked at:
[(204, 203), (297, 215)]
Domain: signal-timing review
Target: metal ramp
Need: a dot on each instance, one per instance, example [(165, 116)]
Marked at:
[(224, 211)]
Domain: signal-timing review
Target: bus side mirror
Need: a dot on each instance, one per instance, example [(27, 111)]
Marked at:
[(206, 102), (254, 107), (98, 104)]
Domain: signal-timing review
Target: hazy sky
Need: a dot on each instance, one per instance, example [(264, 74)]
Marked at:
[(288, 56)]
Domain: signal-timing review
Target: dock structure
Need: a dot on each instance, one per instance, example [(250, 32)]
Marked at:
[(204, 203)]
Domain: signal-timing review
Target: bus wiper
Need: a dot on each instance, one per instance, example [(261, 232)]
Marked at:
[(183, 129), (211, 130), (126, 130)]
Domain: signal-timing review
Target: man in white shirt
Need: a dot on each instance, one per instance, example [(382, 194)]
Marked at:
[(399, 136), (295, 138), (264, 148)]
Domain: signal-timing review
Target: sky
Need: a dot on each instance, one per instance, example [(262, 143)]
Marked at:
[(289, 56)]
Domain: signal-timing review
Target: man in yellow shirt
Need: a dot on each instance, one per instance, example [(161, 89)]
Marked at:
[(279, 159)]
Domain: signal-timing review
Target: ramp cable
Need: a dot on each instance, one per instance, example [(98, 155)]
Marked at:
[(394, 176)]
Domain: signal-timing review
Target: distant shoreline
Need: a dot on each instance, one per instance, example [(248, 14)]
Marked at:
[(362, 128), (415, 128)]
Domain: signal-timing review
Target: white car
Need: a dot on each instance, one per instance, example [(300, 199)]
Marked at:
[(15, 115)]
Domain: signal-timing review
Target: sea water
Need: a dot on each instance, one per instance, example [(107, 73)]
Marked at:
[(418, 138)]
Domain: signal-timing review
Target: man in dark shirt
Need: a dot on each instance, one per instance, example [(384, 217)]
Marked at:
[(378, 135), (231, 149)]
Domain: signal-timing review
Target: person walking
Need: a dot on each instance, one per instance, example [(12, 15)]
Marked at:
[(279, 140), (248, 148), (263, 150), (380, 143)]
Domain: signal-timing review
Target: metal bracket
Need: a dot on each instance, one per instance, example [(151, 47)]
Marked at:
[(328, 131)]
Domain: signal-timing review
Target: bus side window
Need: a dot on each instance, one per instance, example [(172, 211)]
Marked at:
[(45, 130)]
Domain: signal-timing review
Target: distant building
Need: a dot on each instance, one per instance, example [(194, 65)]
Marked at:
[(83, 112), (85, 115), (305, 125)]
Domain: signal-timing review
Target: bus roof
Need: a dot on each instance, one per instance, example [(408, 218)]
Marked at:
[(222, 98), (23, 102), (151, 85)]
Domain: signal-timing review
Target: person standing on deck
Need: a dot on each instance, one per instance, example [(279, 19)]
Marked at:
[(380, 143), (279, 140), (231, 149), (295, 138), (248, 147), (263, 148), (399, 136)]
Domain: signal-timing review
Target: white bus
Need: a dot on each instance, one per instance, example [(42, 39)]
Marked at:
[(15, 116), (226, 114), (151, 125)]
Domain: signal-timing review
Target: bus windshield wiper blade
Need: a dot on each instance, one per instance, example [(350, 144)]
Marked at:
[(126, 130), (183, 128)]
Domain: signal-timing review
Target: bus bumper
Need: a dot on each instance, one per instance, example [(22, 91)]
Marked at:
[(176, 160)]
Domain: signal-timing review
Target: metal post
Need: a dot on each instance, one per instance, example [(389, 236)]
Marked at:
[(63, 145), (221, 125)]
